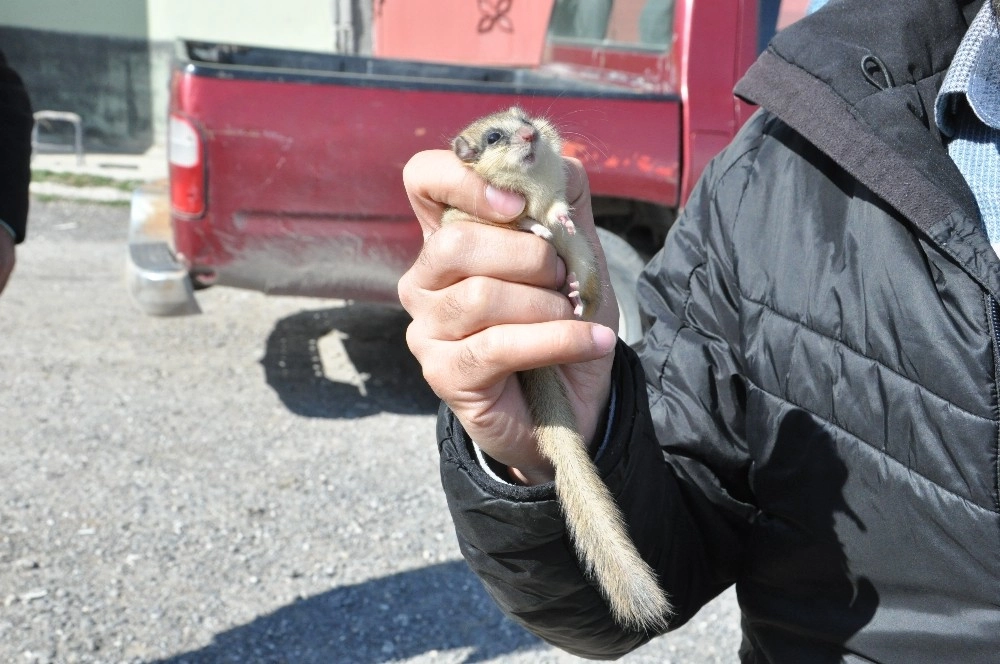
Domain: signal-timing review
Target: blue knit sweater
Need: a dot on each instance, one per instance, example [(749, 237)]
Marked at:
[(968, 114)]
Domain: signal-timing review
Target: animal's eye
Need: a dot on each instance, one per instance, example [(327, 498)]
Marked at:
[(493, 137)]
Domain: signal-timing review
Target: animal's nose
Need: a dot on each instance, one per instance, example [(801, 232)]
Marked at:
[(527, 134)]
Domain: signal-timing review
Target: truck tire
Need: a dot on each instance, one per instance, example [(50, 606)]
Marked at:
[(624, 266)]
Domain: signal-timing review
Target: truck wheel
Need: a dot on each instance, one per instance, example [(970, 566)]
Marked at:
[(624, 266)]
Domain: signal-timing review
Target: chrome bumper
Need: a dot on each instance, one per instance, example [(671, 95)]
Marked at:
[(157, 282)]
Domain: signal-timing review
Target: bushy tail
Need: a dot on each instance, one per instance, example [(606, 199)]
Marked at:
[(595, 523)]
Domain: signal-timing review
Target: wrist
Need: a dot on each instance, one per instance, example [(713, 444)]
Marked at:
[(595, 446), (532, 476)]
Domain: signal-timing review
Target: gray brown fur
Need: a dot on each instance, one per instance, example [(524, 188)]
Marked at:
[(517, 153)]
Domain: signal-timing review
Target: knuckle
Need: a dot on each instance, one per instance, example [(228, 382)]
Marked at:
[(454, 239), (408, 172), (434, 376), (441, 257), (494, 346), (417, 341), (476, 294), (441, 250), (413, 170), (413, 337), (405, 291), (431, 367)]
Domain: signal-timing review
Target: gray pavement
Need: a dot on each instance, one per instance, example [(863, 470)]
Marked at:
[(254, 484)]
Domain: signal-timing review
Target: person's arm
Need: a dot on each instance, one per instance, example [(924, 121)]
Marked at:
[(675, 459), (15, 165)]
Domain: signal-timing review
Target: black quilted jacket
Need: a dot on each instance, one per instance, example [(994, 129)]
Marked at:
[(814, 414)]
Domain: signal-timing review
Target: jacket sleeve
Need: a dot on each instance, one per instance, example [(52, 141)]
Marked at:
[(15, 147), (676, 460)]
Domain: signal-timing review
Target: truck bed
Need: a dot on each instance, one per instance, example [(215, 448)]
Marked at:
[(304, 155)]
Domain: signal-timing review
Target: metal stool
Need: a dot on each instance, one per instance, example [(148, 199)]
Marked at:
[(59, 116)]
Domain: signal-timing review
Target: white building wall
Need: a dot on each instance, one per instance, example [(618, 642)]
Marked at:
[(299, 24), (52, 43)]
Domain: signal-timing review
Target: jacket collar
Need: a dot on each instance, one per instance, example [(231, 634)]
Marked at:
[(859, 80)]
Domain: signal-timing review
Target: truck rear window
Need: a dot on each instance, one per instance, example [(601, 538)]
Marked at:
[(643, 23)]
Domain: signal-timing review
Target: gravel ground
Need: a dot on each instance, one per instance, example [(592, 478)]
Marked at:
[(257, 483)]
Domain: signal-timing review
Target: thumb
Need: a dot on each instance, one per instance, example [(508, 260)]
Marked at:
[(504, 203)]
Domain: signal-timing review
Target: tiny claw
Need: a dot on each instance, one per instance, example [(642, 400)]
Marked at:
[(567, 223), (574, 294)]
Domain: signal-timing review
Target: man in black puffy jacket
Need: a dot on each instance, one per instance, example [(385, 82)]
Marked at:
[(814, 415)]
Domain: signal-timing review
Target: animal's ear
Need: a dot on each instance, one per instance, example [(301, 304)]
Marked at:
[(464, 149)]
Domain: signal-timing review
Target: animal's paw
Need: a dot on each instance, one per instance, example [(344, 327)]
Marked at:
[(567, 223), (574, 294), (558, 215), (529, 224)]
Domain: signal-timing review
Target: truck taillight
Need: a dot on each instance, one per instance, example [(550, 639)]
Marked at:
[(187, 168)]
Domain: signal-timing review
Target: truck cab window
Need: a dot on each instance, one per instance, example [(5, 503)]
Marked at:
[(645, 23)]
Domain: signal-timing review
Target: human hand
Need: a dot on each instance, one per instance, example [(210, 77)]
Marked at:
[(7, 257), (486, 303)]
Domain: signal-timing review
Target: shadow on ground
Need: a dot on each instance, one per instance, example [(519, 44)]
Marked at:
[(433, 609), (346, 362)]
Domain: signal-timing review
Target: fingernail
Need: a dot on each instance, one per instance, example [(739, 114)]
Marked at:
[(604, 338), (504, 202)]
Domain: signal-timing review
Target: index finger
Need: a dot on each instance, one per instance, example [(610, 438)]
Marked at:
[(437, 179)]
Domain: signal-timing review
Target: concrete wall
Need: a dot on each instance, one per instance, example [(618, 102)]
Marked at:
[(109, 60), (88, 57), (109, 18)]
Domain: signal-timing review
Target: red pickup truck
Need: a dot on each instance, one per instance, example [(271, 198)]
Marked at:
[(285, 165)]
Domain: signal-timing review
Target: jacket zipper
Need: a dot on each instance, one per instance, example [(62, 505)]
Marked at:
[(994, 315)]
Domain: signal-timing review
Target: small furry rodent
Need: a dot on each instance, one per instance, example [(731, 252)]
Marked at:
[(518, 153)]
